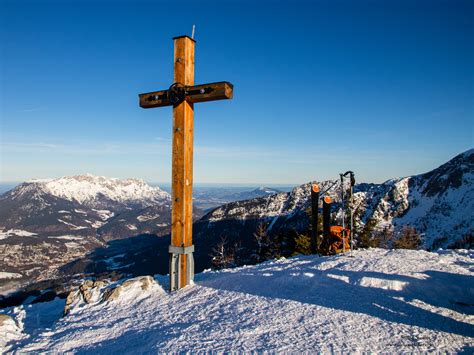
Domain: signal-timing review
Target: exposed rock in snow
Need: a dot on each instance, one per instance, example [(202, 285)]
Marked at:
[(88, 292), (9, 330), (144, 282), (129, 287), (102, 291)]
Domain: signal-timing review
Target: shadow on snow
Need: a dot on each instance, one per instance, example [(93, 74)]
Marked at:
[(385, 296)]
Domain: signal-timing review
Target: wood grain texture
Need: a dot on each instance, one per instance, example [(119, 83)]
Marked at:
[(182, 168), (210, 92), (154, 99), (198, 93)]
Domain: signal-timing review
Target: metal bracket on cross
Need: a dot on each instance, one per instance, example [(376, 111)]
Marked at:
[(176, 253)]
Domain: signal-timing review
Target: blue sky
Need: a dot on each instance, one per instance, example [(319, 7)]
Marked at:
[(384, 88)]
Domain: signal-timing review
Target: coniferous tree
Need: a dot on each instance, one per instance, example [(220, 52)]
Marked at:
[(366, 236), (302, 244), (466, 242)]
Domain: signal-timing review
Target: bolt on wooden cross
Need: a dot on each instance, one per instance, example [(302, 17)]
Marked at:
[(182, 95)]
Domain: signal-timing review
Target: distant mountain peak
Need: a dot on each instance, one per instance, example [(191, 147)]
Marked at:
[(89, 188)]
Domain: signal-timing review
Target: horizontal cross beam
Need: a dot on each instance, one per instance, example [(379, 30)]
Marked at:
[(198, 93)]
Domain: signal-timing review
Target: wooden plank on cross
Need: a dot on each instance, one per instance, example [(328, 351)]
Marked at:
[(197, 93), (182, 95)]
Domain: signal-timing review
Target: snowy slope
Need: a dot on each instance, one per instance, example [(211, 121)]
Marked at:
[(379, 300)]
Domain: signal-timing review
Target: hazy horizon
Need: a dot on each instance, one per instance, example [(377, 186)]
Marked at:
[(233, 184)]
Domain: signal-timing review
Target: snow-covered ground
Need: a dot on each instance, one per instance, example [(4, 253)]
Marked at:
[(378, 300)]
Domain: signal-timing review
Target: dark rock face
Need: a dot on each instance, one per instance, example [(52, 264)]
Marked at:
[(451, 175)]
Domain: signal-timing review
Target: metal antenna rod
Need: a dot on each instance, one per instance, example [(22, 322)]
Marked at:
[(343, 215), (192, 34), (352, 216), (353, 181)]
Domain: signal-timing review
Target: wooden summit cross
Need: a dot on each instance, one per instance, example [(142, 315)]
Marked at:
[(182, 95)]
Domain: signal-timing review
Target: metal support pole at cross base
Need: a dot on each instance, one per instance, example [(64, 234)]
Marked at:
[(176, 258), (314, 218)]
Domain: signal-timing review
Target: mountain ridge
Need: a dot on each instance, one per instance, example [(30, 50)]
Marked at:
[(438, 203)]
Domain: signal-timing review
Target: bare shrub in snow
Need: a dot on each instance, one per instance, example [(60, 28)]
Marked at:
[(381, 238), (222, 256), (408, 239), (266, 248)]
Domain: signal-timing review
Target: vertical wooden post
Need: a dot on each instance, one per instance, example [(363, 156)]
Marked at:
[(182, 169), (327, 217), (314, 218)]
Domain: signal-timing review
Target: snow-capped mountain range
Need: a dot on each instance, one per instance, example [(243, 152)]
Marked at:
[(82, 202), (95, 191)]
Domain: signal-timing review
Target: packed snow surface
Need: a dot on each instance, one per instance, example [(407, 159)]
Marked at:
[(377, 300)]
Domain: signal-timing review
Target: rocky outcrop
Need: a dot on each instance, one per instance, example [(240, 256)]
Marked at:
[(9, 331), (5, 319), (85, 293), (112, 294), (145, 282), (102, 291), (142, 282)]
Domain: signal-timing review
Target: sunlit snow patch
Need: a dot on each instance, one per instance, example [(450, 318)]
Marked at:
[(16, 233), (10, 275), (384, 284)]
